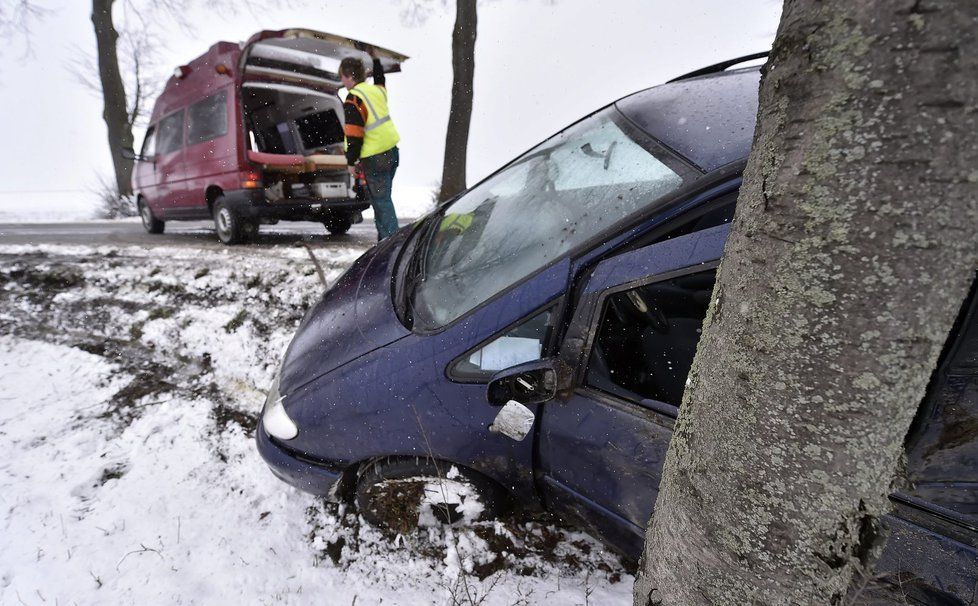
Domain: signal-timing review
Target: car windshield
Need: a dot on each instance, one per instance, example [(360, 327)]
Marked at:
[(553, 198)]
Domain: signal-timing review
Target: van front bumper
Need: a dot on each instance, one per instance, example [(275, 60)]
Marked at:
[(308, 476), (252, 204)]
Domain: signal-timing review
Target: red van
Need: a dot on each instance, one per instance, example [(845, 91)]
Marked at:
[(253, 133)]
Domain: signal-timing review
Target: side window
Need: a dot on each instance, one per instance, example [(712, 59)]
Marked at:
[(149, 142), (648, 336), (207, 119), (942, 458), (713, 213), (523, 343), (169, 136)]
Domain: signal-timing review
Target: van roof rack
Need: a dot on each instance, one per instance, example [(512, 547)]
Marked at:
[(722, 66)]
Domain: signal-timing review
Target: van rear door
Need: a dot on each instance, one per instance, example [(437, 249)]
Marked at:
[(309, 55)]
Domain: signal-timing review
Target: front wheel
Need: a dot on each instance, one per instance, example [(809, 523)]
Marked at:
[(230, 226), (151, 224), (403, 494)]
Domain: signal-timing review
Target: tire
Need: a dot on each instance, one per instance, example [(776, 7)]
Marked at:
[(339, 225), (230, 227), (151, 224), (400, 495)]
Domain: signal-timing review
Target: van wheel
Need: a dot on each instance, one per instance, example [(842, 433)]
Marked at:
[(402, 495), (151, 224), (339, 225), (229, 225)]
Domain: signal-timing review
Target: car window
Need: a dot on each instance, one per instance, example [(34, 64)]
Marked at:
[(647, 338), (149, 142), (207, 119), (538, 208), (523, 343), (942, 456), (169, 136), (713, 213)]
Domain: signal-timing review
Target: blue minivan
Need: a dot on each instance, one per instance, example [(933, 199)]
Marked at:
[(528, 344)]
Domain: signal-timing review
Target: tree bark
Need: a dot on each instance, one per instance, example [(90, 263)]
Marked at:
[(115, 108), (853, 246), (460, 115)]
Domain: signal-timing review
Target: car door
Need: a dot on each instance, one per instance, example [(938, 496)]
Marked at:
[(168, 163), (210, 149), (145, 173), (602, 443)]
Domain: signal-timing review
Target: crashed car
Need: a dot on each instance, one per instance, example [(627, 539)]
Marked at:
[(529, 343)]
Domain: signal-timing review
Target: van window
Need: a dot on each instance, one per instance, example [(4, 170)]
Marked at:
[(648, 336), (207, 119), (523, 343), (169, 136), (320, 130), (546, 203)]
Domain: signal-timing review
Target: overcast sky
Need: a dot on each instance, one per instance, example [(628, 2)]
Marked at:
[(539, 66)]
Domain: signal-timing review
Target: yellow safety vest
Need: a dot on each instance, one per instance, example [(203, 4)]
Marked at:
[(379, 132), (457, 222)]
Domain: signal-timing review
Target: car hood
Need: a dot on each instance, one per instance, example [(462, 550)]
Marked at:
[(353, 318)]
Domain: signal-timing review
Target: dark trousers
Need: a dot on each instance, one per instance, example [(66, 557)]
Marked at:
[(379, 171)]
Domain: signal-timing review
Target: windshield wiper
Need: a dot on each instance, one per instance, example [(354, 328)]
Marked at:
[(417, 267)]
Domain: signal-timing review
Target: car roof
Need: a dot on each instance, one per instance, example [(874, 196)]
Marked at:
[(707, 119)]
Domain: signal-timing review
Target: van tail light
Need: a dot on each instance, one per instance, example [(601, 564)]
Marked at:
[(251, 179)]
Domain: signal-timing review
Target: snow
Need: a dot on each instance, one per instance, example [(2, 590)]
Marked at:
[(131, 380)]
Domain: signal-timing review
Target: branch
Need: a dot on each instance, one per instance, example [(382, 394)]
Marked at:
[(416, 12), (18, 17)]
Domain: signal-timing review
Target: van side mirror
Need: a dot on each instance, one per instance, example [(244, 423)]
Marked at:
[(130, 154), (530, 383)]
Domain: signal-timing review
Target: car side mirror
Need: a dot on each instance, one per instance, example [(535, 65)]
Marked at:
[(530, 383), (514, 421)]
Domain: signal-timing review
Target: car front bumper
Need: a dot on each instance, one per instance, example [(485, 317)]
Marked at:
[(308, 476)]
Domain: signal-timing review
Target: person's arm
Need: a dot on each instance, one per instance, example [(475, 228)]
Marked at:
[(378, 72), (355, 118)]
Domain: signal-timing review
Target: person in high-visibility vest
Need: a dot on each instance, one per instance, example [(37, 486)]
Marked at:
[(371, 139)]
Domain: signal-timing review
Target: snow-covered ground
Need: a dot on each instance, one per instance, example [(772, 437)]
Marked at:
[(131, 380)]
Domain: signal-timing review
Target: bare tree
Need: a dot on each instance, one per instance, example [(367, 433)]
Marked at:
[(460, 114), (853, 246), (416, 12), (115, 106)]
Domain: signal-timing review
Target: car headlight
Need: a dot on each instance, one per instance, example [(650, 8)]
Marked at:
[(274, 418)]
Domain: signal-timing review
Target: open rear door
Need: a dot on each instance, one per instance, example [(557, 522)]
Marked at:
[(314, 55)]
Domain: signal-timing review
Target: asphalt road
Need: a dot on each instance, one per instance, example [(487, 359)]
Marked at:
[(192, 234)]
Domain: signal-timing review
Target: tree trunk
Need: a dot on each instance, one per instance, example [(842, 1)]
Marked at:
[(463, 68), (854, 244), (115, 112)]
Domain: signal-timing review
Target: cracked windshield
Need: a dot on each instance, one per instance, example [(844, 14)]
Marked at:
[(550, 200)]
